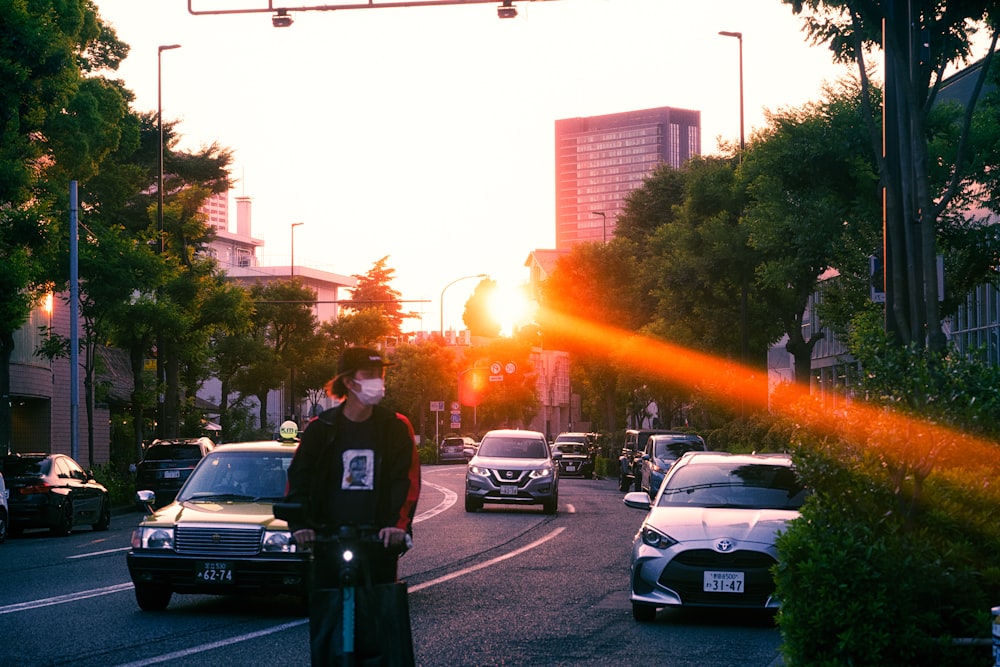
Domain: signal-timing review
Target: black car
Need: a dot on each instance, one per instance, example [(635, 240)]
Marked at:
[(577, 454), (630, 461), (167, 464), (52, 491)]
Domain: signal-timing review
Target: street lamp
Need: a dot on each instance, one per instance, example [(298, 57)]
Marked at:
[(159, 126), (604, 222), (478, 275), (294, 225), (739, 36)]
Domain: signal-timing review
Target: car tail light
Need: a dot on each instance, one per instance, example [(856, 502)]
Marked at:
[(34, 489)]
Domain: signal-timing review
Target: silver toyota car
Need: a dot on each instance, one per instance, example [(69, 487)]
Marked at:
[(708, 541)]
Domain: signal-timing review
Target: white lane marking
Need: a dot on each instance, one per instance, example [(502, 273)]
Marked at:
[(570, 508), (214, 645), (492, 561), (450, 498), (70, 597), (98, 553)]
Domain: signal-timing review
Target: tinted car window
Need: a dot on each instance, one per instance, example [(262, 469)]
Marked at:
[(243, 473), (27, 468), (513, 448), (673, 449), (568, 448), (178, 452), (759, 486)]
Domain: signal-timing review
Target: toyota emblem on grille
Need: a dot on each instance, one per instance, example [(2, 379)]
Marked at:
[(724, 545), (215, 538)]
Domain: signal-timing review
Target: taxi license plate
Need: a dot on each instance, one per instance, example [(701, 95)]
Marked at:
[(508, 489), (214, 572), (171, 474), (723, 582)]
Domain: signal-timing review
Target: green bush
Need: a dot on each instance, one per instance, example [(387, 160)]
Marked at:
[(120, 484)]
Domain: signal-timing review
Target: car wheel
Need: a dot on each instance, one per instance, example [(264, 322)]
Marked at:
[(644, 613), (549, 506), (152, 597), (104, 522), (3, 526), (472, 505), (64, 526)]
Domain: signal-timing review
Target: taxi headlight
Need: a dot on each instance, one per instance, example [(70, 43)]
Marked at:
[(278, 541), (152, 537)]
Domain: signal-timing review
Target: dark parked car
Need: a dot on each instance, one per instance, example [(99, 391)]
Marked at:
[(630, 460), (708, 537), (661, 451), (220, 536), (577, 454), (52, 491), (167, 464), (453, 448), (513, 467)]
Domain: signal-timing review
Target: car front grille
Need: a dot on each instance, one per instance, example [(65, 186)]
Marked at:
[(519, 477), (218, 541), (685, 575)]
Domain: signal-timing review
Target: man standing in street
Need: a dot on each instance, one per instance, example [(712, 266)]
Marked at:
[(357, 465)]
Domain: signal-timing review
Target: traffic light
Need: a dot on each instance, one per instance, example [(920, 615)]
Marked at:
[(472, 386)]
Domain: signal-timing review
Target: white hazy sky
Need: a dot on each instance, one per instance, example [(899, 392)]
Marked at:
[(427, 134)]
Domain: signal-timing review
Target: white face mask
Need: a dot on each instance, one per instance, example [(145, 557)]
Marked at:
[(371, 392)]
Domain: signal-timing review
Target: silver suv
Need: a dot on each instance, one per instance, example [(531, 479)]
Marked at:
[(513, 467)]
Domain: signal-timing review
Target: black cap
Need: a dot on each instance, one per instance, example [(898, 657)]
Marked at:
[(356, 358)]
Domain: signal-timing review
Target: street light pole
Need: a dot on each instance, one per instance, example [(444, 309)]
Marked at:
[(739, 36), (159, 127), (604, 222), (294, 225), (441, 303)]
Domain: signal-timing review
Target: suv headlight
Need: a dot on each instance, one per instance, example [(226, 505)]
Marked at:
[(152, 537), (479, 470), (278, 541), (541, 472)]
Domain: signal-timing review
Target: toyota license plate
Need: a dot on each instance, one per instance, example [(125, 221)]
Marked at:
[(508, 489), (723, 582), (171, 474), (570, 467), (214, 572)]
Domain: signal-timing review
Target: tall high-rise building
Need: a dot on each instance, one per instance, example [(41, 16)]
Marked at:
[(600, 159)]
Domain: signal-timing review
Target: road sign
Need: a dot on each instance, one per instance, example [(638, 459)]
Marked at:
[(437, 406), (496, 368), (456, 419)]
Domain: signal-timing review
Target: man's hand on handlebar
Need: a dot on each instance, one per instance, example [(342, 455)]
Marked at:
[(304, 538), (393, 537)]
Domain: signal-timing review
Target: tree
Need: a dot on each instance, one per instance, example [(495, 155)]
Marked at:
[(373, 291), (601, 285), (420, 373), (478, 315), (812, 204), (283, 327), (55, 124), (922, 40)]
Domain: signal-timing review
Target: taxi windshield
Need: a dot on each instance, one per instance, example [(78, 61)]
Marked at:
[(239, 476)]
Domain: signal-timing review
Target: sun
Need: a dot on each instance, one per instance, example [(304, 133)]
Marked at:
[(510, 306)]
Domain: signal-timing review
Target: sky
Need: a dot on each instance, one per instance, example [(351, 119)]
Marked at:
[(426, 134)]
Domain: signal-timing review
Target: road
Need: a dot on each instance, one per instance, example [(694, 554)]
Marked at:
[(505, 586)]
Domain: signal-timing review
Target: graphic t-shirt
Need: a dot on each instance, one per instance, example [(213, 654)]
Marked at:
[(353, 498)]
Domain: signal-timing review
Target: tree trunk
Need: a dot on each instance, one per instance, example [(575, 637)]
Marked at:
[(136, 360), (6, 351)]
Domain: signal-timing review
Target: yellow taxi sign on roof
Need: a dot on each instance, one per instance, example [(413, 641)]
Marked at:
[(288, 430)]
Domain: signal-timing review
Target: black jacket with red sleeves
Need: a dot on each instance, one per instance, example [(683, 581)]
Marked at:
[(397, 470)]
